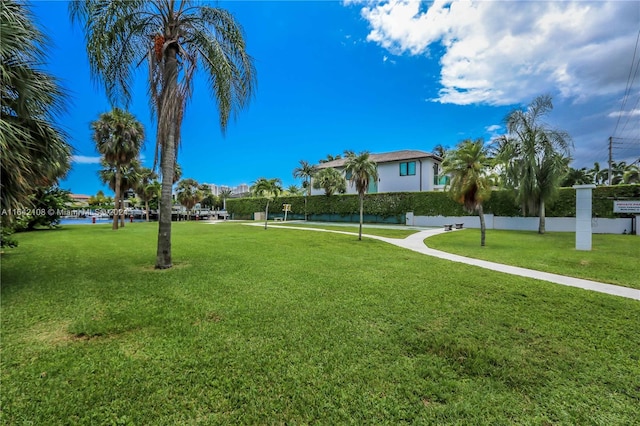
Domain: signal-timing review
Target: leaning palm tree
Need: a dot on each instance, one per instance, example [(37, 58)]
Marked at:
[(34, 152), (536, 154), (305, 172), (175, 38), (118, 137), (188, 193), (468, 166), (269, 189), (361, 171)]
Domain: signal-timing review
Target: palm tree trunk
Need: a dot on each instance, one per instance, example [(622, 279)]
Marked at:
[(483, 228), (116, 204), (361, 216), (541, 225), (167, 124), (266, 215), (146, 207), (121, 208), (305, 208)]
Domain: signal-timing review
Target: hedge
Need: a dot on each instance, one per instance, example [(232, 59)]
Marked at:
[(396, 204)]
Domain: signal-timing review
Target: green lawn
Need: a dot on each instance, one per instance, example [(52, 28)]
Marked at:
[(381, 232), (290, 327), (613, 259)]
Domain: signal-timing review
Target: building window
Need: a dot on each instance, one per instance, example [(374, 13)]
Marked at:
[(408, 168), (436, 174)]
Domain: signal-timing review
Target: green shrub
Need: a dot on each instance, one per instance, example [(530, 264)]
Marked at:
[(397, 204)]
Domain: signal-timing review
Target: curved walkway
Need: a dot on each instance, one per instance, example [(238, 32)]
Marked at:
[(416, 243)]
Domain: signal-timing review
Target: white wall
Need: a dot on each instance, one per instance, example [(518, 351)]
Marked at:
[(552, 224)]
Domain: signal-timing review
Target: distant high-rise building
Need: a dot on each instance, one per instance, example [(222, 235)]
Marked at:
[(216, 190)]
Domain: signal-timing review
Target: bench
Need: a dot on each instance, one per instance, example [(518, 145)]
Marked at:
[(278, 218), (448, 227), (459, 225)]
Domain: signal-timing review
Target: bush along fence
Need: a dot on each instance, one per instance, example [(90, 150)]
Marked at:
[(392, 207)]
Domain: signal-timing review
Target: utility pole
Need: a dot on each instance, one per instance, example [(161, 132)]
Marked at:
[(609, 176)]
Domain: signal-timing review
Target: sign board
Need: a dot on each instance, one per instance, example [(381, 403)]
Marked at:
[(626, 206), (286, 207)]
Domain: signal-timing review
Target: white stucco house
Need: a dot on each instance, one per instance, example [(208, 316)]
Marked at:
[(398, 171)]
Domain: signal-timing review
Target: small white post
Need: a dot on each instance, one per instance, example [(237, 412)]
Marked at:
[(583, 216)]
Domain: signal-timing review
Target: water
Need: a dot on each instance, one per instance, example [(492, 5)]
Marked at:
[(89, 221)]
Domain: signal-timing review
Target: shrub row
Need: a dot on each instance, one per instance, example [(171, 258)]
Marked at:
[(395, 204)]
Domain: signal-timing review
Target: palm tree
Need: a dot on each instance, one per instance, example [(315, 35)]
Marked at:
[(294, 190), (175, 38), (362, 171), (468, 166), (331, 158), (269, 189), (34, 152), (118, 137), (535, 155), (632, 174), (146, 187), (305, 172), (224, 194), (330, 180), (599, 175), (128, 175), (577, 177), (440, 150), (188, 193)]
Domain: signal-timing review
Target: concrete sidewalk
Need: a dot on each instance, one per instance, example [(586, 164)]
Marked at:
[(416, 243)]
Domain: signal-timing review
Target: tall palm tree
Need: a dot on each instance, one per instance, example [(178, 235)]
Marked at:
[(118, 137), (534, 155), (146, 187), (34, 152), (362, 170), (128, 177), (269, 189), (305, 172), (175, 37), (468, 166), (224, 194), (188, 193), (330, 180)]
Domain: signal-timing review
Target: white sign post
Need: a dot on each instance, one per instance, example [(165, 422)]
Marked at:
[(286, 208), (583, 216)]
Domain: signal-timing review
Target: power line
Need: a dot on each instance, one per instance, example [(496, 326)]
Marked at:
[(630, 79)]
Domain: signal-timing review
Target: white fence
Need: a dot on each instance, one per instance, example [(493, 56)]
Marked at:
[(552, 224)]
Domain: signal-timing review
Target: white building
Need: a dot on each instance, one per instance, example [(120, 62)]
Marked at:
[(398, 171)]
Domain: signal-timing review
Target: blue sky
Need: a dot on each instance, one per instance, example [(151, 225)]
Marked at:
[(383, 76)]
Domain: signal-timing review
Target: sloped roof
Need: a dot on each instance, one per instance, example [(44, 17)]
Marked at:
[(385, 157)]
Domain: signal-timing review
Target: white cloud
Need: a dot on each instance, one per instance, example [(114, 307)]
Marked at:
[(83, 159), (502, 53), (632, 113), (493, 128)]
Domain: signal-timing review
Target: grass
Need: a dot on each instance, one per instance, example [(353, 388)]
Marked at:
[(283, 326), (613, 258), (381, 232)]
